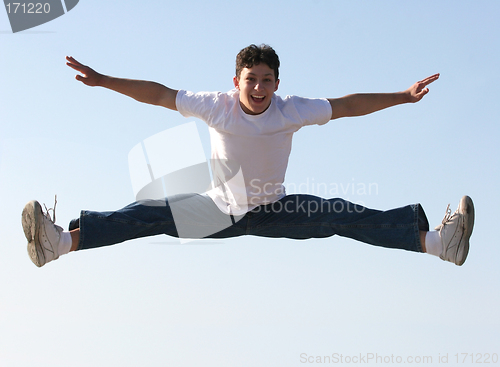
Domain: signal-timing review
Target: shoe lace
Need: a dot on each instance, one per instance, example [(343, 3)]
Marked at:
[(47, 211), (447, 216)]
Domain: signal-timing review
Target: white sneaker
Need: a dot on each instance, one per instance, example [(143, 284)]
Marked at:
[(455, 231), (42, 233)]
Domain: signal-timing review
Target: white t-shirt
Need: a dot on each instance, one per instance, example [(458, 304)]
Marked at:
[(250, 152)]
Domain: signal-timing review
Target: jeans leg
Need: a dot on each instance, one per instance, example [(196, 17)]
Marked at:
[(294, 216), (139, 219), (307, 216), (185, 216)]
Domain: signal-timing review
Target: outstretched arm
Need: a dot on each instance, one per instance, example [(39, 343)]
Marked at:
[(141, 90), (363, 104)]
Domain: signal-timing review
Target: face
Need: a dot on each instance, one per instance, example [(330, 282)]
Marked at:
[(257, 85)]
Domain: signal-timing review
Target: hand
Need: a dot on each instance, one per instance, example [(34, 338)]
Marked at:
[(90, 76), (418, 90)]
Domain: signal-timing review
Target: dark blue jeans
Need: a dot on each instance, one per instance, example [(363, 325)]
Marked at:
[(294, 216)]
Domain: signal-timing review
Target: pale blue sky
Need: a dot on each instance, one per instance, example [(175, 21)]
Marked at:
[(252, 301)]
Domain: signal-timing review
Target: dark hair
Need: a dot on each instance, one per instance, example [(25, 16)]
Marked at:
[(254, 55)]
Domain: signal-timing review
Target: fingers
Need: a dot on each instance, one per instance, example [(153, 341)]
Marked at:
[(88, 75), (76, 67), (72, 60), (84, 80), (422, 93), (419, 89), (73, 63), (429, 80)]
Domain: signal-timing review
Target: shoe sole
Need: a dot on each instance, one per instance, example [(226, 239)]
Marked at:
[(31, 219), (466, 208)]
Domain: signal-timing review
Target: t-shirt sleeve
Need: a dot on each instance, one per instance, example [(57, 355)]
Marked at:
[(311, 111), (202, 105)]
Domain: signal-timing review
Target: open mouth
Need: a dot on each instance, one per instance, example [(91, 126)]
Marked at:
[(258, 99)]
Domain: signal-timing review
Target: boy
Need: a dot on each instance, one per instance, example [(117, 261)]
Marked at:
[(251, 131)]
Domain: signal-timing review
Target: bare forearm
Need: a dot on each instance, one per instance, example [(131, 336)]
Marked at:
[(363, 104), (141, 90)]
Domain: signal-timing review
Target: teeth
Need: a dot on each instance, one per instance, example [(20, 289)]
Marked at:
[(258, 97)]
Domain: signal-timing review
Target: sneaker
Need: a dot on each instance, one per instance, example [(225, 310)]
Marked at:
[(42, 233), (455, 231)]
